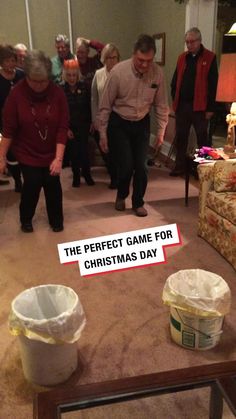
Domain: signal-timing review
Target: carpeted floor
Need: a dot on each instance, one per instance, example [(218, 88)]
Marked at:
[(127, 330)]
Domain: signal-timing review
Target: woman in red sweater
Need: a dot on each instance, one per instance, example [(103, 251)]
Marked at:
[(35, 124)]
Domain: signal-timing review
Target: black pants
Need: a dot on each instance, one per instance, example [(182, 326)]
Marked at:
[(128, 141), (108, 158), (78, 151), (36, 178), (185, 118)]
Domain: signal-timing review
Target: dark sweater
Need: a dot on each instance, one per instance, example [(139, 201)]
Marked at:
[(79, 105), (5, 88)]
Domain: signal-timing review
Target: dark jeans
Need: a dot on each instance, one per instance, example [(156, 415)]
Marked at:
[(78, 151), (128, 141), (36, 178), (185, 118), (108, 158)]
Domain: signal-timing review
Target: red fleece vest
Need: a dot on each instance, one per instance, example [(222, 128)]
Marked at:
[(201, 83)]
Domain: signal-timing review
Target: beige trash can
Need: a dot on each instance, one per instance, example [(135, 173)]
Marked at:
[(48, 320), (198, 302)]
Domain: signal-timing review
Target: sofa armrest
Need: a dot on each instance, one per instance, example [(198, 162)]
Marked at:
[(206, 179), (225, 176)]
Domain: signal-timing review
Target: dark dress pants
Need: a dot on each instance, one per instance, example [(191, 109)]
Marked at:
[(185, 118), (108, 158), (78, 150), (128, 142), (36, 178)]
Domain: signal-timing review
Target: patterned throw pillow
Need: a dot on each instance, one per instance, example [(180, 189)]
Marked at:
[(225, 176)]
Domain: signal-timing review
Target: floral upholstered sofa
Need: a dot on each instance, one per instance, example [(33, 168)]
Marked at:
[(217, 206)]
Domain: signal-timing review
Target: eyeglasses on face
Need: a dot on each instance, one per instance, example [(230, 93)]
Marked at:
[(112, 57), (38, 81), (191, 41)]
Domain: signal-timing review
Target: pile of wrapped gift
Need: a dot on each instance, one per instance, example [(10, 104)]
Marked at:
[(208, 153)]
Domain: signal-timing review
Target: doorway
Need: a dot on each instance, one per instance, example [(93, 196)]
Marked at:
[(226, 16)]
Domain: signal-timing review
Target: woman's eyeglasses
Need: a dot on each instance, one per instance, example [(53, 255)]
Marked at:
[(112, 57)]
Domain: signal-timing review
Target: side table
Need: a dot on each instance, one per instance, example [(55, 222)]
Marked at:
[(190, 167)]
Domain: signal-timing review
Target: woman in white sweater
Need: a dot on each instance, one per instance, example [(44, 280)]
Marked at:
[(110, 56)]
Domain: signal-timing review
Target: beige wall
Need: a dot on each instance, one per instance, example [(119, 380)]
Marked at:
[(169, 17), (118, 21), (108, 21), (13, 24), (48, 18)]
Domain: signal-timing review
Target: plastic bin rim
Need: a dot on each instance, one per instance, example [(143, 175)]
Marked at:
[(193, 297), (21, 316)]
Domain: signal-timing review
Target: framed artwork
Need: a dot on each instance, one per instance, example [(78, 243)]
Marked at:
[(159, 57)]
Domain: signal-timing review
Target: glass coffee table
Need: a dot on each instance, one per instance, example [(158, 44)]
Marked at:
[(219, 377)]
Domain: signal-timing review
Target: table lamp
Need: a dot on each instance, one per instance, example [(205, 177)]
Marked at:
[(226, 87)]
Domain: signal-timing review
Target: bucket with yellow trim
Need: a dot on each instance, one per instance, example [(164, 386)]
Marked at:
[(199, 301), (48, 320), (195, 332)]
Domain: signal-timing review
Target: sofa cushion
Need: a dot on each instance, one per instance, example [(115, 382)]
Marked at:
[(223, 203), (220, 233), (225, 176)]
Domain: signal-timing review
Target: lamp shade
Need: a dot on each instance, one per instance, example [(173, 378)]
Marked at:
[(229, 41), (226, 88), (232, 31)]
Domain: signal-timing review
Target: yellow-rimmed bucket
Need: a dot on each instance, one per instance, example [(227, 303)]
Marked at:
[(48, 320), (195, 332), (198, 303)]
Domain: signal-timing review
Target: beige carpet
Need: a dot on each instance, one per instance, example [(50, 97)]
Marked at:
[(4, 201), (127, 331)]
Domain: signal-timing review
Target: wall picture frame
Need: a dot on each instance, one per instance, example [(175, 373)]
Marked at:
[(160, 39)]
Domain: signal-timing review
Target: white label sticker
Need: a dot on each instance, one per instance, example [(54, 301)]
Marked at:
[(120, 251)]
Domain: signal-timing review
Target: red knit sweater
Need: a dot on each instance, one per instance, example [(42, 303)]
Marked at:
[(19, 123)]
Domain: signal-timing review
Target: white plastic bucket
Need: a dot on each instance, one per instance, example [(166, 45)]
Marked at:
[(48, 320), (195, 332), (45, 364), (198, 302)]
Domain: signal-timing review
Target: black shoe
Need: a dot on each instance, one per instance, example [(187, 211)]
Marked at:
[(120, 204), (57, 228), (18, 186), (140, 211), (89, 180), (112, 185), (176, 172), (76, 182), (151, 162), (27, 227), (65, 164), (4, 182)]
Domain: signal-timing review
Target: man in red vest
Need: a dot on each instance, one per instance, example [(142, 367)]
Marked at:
[(193, 90)]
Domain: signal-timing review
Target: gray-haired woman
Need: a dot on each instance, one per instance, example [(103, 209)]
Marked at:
[(110, 56), (35, 124)]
